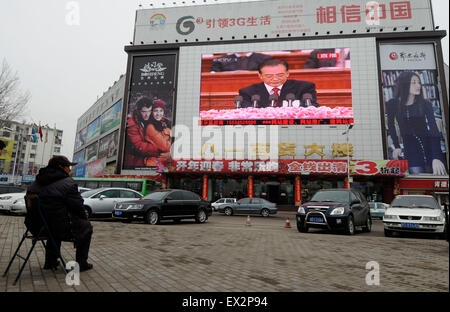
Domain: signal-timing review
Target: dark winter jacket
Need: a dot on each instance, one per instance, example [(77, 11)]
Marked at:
[(60, 200)]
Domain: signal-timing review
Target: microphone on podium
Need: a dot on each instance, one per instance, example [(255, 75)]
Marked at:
[(238, 100), (273, 98), (307, 100), (290, 97), (255, 100)]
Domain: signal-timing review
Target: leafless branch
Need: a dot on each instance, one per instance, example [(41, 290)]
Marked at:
[(13, 101)]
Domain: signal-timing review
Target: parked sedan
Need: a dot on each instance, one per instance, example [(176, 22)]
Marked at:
[(221, 201), (101, 201), (377, 209), (164, 205), (249, 206), (414, 213), (335, 209), (7, 200), (18, 207)]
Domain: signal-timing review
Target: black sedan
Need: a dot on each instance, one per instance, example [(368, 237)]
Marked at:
[(164, 205), (335, 209)]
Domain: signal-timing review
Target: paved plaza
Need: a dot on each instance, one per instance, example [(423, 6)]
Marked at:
[(225, 255)]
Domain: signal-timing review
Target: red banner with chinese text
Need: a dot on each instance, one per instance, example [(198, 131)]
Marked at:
[(290, 166)]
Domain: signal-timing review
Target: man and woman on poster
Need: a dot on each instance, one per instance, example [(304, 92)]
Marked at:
[(148, 134)]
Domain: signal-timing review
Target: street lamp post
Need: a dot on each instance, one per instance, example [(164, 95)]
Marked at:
[(346, 132)]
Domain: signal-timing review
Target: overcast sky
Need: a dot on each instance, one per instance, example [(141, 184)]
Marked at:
[(66, 67)]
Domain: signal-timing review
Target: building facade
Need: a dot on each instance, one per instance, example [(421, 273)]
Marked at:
[(97, 134), (350, 119), (29, 147)]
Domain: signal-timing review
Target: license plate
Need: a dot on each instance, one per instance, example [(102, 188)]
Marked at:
[(118, 213), (316, 219), (410, 225)]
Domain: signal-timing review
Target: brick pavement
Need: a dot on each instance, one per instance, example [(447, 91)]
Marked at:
[(224, 255)]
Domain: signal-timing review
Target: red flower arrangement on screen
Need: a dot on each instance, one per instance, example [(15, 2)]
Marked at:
[(251, 113)]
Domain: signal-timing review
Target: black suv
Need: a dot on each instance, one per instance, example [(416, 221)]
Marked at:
[(164, 204), (335, 209)]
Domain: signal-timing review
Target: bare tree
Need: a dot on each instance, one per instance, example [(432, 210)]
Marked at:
[(13, 101)]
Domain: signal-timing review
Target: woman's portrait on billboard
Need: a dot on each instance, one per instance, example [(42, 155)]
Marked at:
[(419, 139)]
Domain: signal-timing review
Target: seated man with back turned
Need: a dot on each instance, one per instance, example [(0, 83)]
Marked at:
[(63, 208), (274, 74)]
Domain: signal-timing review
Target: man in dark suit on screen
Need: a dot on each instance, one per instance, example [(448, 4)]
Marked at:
[(276, 88)]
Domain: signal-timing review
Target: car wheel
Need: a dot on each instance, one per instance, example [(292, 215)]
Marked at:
[(368, 225), (265, 212), (301, 227), (201, 216), (350, 230), (152, 217), (88, 211), (388, 233), (228, 211)]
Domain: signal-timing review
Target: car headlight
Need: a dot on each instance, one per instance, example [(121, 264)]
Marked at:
[(338, 211), (301, 210), (134, 206), (432, 219), (19, 201), (5, 197), (390, 217)]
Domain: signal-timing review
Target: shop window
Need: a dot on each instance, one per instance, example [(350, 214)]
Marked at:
[(229, 187), (192, 183)]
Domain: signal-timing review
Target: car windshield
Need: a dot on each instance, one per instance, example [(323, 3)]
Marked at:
[(415, 202), (372, 205), (331, 196), (155, 195)]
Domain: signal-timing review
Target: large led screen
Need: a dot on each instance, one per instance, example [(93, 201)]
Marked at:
[(296, 87)]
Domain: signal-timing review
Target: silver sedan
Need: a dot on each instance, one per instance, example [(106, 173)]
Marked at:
[(101, 201), (249, 206)]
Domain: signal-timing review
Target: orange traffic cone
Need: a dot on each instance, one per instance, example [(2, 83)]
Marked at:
[(288, 223), (247, 222)]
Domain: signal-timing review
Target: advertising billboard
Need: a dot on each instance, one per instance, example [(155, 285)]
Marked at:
[(91, 152), (415, 128), (108, 145), (262, 19), (78, 157), (111, 118), (6, 156), (149, 111), (93, 129), (294, 87), (80, 138)]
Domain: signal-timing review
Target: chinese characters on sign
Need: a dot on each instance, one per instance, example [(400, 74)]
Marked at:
[(441, 184), (284, 149), (399, 10), (251, 21), (286, 166)]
